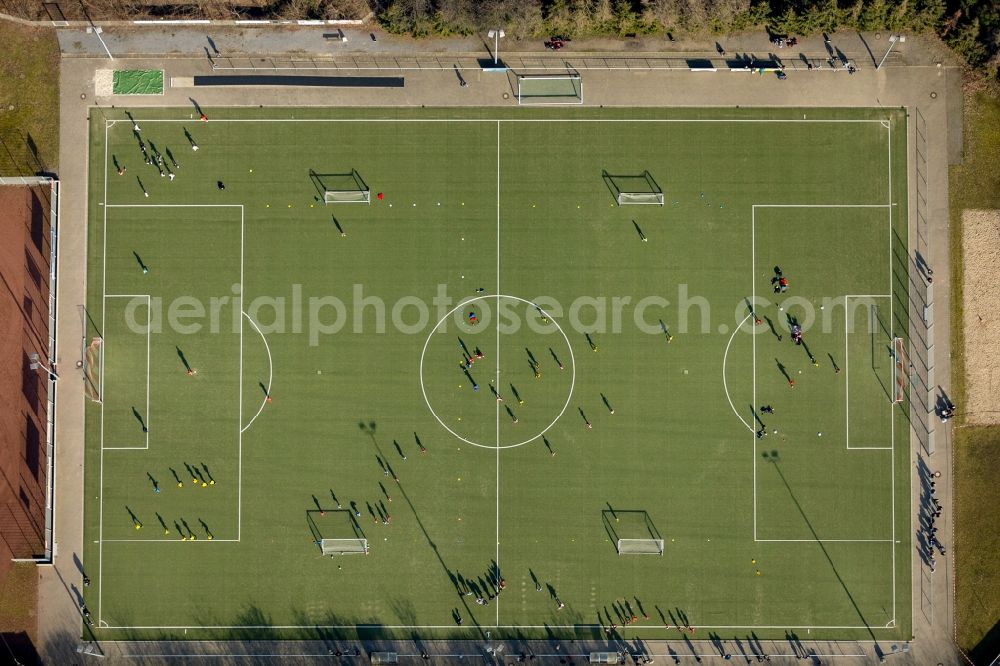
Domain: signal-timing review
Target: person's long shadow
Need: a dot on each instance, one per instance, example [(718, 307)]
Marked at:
[(776, 463), (783, 370), (770, 325), (370, 430), (138, 417), (690, 646), (183, 358)]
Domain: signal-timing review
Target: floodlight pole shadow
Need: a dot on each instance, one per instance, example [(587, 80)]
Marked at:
[(608, 526), (655, 186), (775, 462), (317, 534), (369, 429), (317, 182), (609, 181)]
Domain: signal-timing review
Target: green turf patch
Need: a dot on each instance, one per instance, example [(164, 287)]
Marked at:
[(603, 394), (138, 82), (976, 541)]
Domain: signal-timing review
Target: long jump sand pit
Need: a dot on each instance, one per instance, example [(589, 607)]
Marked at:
[(981, 318)]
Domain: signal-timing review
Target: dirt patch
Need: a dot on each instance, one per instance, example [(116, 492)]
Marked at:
[(981, 321), (24, 329)]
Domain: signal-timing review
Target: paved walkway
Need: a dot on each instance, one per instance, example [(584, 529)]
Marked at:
[(914, 80), (318, 44)]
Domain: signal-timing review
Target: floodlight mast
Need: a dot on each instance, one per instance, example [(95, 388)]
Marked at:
[(893, 39), (36, 364), (97, 30), (496, 35)]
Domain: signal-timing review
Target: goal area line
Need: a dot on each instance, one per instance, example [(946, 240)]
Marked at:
[(847, 373), (104, 355)]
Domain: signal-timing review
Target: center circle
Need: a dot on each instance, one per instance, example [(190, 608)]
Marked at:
[(529, 360)]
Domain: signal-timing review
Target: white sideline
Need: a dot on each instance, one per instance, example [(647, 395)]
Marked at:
[(499, 122)]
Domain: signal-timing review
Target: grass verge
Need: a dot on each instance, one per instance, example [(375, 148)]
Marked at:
[(19, 599), (975, 184), (29, 100)]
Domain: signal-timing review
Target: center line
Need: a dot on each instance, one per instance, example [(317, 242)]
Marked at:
[(497, 320)]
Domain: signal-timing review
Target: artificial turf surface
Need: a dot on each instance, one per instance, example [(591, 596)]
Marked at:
[(648, 428)]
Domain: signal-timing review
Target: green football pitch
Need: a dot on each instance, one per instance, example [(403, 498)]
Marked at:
[(457, 340)]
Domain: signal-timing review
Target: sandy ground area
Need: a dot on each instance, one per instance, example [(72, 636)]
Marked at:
[(981, 319)]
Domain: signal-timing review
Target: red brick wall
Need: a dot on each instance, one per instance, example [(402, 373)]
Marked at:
[(24, 312)]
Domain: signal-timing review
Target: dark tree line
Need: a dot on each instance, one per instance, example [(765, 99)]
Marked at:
[(970, 27), (127, 10)]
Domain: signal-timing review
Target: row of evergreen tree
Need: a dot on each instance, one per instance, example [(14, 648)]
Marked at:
[(970, 27)]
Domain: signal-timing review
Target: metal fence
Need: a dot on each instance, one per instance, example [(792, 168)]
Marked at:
[(537, 63)]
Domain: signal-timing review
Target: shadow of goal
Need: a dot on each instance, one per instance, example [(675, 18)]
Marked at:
[(632, 531), (337, 532), (347, 187), (637, 188)]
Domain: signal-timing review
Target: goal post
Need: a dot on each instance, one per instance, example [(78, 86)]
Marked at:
[(550, 88), (640, 546), (634, 189), (336, 532), (343, 546), (347, 187)]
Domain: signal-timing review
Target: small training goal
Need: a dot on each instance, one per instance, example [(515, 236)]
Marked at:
[(347, 187), (347, 196), (640, 546), (343, 546), (650, 198), (630, 189), (550, 88)]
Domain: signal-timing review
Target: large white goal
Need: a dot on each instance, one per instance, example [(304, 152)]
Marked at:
[(344, 546), (640, 546)]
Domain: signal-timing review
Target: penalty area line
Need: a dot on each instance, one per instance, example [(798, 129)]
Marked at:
[(725, 383)]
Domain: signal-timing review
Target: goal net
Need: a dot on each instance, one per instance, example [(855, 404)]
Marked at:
[(549, 89), (653, 198), (346, 187), (640, 546), (93, 361), (347, 196), (344, 546), (639, 188), (900, 369)]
